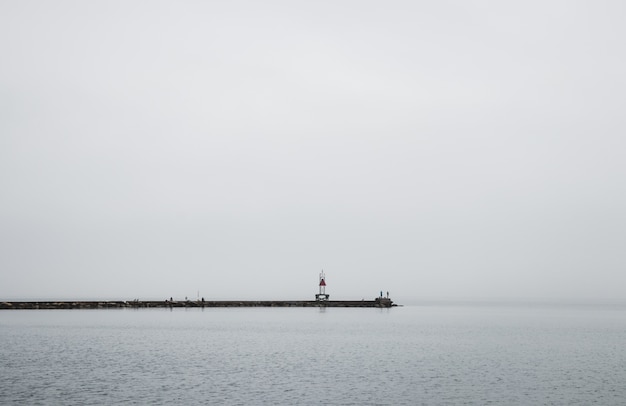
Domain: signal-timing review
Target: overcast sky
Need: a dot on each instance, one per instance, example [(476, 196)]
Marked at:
[(433, 149)]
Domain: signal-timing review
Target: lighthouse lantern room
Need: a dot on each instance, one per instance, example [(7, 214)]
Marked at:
[(322, 294)]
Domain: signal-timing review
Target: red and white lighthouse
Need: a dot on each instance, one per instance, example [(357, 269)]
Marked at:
[(322, 295)]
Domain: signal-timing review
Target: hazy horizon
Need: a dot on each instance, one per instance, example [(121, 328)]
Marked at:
[(437, 150)]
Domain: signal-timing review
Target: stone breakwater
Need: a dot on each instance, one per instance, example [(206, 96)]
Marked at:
[(137, 304)]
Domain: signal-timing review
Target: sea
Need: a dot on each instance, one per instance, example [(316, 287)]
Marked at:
[(423, 354)]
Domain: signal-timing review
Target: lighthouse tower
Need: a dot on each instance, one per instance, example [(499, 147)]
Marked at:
[(322, 295)]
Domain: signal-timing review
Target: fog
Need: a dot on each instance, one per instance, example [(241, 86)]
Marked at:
[(234, 149)]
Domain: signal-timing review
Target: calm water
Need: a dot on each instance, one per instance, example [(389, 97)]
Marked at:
[(428, 354)]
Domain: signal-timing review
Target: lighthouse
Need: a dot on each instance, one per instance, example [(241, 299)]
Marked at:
[(322, 294)]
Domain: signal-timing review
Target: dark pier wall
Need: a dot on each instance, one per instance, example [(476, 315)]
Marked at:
[(378, 302)]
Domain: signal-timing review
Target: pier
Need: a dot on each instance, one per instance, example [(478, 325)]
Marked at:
[(379, 302), (322, 299)]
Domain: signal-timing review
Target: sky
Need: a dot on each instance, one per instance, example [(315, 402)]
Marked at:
[(233, 149)]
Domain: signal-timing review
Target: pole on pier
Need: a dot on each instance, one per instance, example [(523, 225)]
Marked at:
[(322, 295)]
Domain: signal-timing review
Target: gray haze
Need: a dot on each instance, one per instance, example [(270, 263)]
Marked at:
[(436, 149)]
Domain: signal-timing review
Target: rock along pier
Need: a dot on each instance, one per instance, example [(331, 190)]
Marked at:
[(379, 302)]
